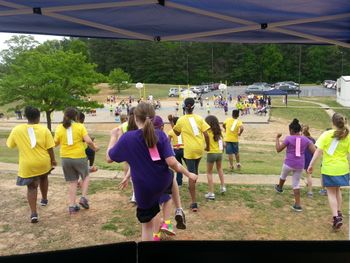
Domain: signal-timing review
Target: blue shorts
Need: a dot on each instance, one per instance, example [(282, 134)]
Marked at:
[(335, 181), (232, 148)]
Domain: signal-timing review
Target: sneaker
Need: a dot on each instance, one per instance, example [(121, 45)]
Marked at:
[(167, 228), (34, 218), (297, 208), (156, 236), (84, 202), (210, 196), (194, 207), (44, 202), (73, 209), (239, 166), (340, 214), (278, 189), (323, 192), (337, 222), (180, 219), (93, 169), (222, 189), (310, 194)]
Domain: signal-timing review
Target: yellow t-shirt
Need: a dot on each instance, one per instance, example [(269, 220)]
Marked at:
[(194, 144), (215, 145), (232, 136), (176, 141), (336, 164), (32, 161), (77, 149)]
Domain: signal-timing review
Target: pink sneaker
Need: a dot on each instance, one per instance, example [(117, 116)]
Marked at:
[(156, 236), (167, 229)]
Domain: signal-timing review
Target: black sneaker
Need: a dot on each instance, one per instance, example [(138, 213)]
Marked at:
[(74, 209), (337, 222), (34, 218), (84, 202), (297, 208), (44, 202), (180, 219), (340, 214), (278, 189), (194, 207)]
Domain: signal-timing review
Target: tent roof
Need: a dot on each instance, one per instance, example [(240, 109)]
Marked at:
[(272, 92), (240, 21)]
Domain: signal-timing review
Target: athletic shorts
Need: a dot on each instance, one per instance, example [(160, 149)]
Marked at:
[(214, 157), (335, 181), (232, 148), (74, 168), (146, 215), (27, 181)]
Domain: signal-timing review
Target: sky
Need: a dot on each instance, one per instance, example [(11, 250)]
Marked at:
[(39, 38)]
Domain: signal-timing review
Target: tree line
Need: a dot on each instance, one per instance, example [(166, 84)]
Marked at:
[(195, 63)]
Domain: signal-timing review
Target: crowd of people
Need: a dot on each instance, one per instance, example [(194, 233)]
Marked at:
[(154, 160)]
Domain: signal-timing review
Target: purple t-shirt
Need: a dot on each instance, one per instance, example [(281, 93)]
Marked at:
[(150, 178), (293, 161)]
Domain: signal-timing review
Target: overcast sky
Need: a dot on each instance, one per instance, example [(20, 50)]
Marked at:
[(39, 38)]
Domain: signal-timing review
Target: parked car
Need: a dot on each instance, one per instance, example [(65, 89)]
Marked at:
[(174, 92), (256, 89), (291, 89), (188, 93), (330, 84), (326, 82)]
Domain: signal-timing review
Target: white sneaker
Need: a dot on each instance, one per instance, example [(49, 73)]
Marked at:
[(222, 189), (210, 196), (132, 199)]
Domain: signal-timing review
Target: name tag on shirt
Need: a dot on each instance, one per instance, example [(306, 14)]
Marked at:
[(221, 145), (179, 139), (69, 136), (194, 126), (32, 137), (297, 146), (333, 146), (153, 152), (234, 124)]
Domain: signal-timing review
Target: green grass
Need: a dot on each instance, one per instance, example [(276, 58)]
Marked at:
[(157, 90)]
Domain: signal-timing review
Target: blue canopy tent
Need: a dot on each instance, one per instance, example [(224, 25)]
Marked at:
[(240, 21), (277, 92)]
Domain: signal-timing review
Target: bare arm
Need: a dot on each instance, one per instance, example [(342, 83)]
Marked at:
[(316, 155), (206, 137), (89, 142), (279, 146), (115, 134), (177, 167), (312, 147), (52, 157), (241, 129), (124, 183)]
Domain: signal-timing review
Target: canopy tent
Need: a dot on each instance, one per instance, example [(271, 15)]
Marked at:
[(240, 21)]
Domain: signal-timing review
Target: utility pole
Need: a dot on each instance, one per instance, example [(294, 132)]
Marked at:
[(212, 64), (299, 69)]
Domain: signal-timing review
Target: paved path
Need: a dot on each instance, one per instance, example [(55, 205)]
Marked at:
[(234, 178)]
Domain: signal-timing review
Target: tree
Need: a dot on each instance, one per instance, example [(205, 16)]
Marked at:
[(50, 81), (119, 80)]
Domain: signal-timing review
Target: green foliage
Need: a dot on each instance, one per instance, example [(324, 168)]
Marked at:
[(119, 80), (50, 81)]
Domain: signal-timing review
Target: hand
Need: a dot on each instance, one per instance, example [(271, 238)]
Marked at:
[(279, 135), (116, 132), (207, 149), (193, 177), (309, 170), (124, 183), (96, 148), (54, 163)]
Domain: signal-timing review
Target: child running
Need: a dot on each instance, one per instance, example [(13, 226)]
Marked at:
[(214, 156), (193, 129), (294, 160), (36, 157), (71, 135), (334, 147), (149, 155), (308, 157)]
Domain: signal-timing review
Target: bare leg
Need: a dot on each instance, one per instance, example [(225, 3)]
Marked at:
[(230, 160), (332, 199), (339, 198), (44, 186), (210, 177), (220, 173), (147, 230), (32, 193), (309, 183), (176, 194), (297, 196), (85, 186), (72, 192)]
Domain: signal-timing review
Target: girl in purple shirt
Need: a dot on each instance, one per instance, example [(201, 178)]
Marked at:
[(295, 145), (149, 154)]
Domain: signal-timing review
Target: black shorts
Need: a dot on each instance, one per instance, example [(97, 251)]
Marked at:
[(146, 215)]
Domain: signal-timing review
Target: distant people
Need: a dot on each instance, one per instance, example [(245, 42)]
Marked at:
[(233, 129), (36, 158), (295, 146), (193, 129), (208, 108), (214, 156), (308, 156), (18, 113), (71, 136), (149, 155), (334, 147)]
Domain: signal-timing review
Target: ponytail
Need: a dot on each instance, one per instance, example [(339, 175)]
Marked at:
[(339, 122), (70, 115), (149, 133)]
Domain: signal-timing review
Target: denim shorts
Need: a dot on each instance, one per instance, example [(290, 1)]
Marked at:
[(335, 181), (232, 147)]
